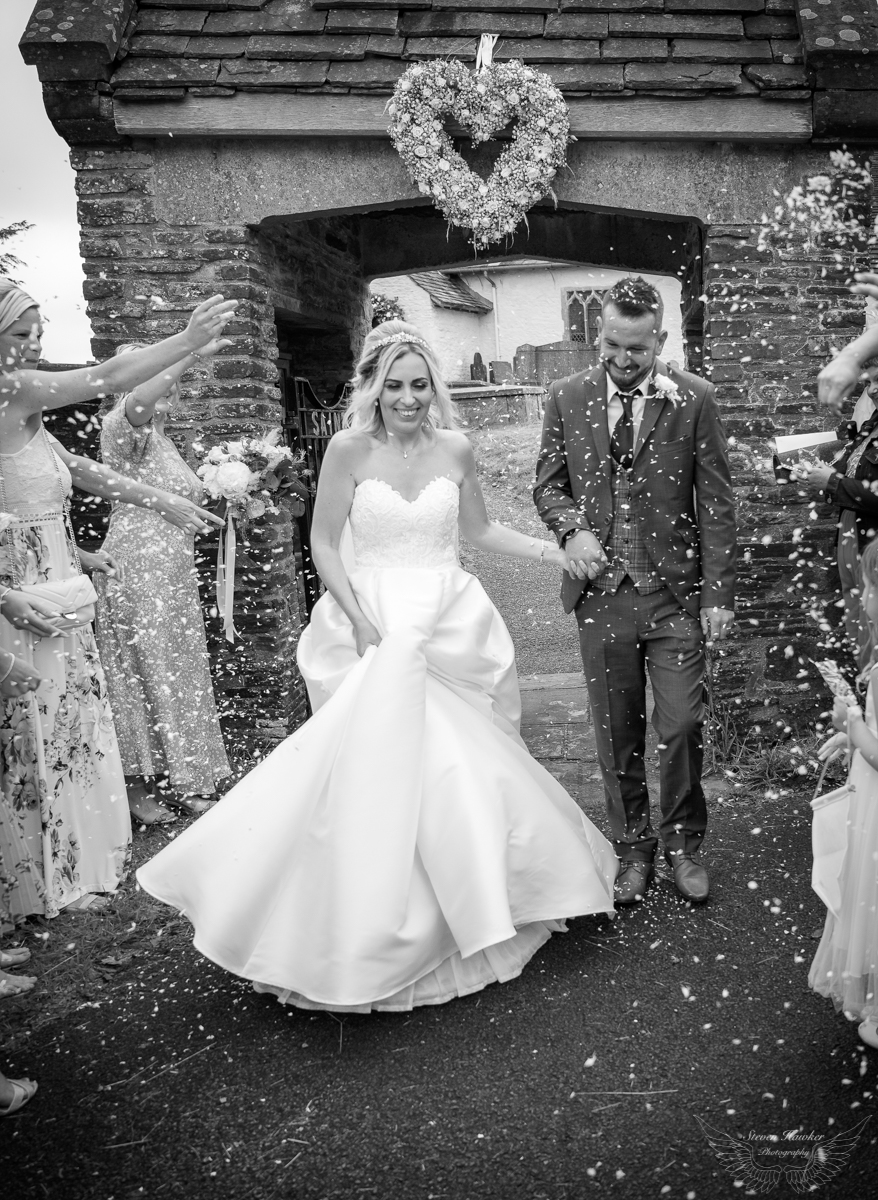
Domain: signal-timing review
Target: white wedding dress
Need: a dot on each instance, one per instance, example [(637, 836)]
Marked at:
[(402, 847)]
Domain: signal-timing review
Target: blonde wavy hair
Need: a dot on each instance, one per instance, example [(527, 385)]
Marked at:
[(364, 411)]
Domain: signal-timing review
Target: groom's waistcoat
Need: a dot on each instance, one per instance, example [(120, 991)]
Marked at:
[(629, 557), (680, 489)]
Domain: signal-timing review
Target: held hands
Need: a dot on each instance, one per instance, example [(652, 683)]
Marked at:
[(31, 615), (716, 623), (102, 561), (207, 322), (584, 556), (366, 635)]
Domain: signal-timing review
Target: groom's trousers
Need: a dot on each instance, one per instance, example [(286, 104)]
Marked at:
[(621, 636)]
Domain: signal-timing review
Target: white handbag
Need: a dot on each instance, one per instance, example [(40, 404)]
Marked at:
[(74, 598)]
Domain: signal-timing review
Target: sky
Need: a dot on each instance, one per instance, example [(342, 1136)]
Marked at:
[(37, 186)]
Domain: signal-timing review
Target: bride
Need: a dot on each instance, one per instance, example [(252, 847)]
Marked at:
[(402, 847)]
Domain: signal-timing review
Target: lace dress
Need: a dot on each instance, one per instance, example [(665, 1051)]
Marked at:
[(402, 847), (150, 626), (64, 826)]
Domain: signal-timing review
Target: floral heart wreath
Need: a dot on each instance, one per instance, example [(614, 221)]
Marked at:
[(483, 102)]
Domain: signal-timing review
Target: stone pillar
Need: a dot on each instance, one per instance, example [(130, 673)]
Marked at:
[(771, 314), (144, 276)]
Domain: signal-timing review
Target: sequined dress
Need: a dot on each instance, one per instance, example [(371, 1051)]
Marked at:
[(402, 847), (150, 626), (64, 825)]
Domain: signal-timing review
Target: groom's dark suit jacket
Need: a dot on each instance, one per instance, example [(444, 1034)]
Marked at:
[(681, 487)]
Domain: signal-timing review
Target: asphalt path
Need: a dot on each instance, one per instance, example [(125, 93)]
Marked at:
[(585, 1075)]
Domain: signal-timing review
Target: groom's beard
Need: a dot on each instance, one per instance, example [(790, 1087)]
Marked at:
[(626, 382)]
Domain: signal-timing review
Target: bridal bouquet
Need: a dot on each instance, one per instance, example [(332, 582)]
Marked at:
[(247, 475)]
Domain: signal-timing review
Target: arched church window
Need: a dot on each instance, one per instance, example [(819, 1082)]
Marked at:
[(581, 312)]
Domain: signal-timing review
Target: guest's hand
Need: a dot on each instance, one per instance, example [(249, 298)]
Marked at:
[(817, 475), (207, 321), (833, 747), (179, 511), (837, 380), (212, 347), (102, 561), (867, 284), (31, 614), (585, 557), (366, 635), (716, 623), (20, 680)]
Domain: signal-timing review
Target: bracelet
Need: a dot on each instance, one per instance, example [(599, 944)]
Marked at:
[(4, 592), (11, 660)]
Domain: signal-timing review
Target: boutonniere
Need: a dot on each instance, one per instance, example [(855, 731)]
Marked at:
[(666, 388)]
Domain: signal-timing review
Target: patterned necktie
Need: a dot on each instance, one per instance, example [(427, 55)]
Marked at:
[(622, 441)]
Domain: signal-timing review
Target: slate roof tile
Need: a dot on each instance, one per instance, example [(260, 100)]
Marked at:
[(450, 291)]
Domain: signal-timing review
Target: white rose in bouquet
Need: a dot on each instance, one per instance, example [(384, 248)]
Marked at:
[(233, 479), (207, 474), (216, 455)]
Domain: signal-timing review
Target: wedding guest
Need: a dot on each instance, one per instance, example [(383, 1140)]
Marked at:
[(63, 776), (845, 967), (849, 482), (150, 627)]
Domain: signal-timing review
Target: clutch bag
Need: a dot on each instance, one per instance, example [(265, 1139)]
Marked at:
[(74, 598)]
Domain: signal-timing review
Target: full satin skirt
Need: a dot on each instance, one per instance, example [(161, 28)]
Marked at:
[(402, 847)]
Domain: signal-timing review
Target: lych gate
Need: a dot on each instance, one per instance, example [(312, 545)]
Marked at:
[(240, 146)]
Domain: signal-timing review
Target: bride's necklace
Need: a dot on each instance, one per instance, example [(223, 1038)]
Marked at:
[(399, 449)]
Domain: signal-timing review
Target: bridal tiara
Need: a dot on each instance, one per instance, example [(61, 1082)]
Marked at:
[(402, 337)]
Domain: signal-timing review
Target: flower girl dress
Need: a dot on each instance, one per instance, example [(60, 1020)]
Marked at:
[(402, 847)]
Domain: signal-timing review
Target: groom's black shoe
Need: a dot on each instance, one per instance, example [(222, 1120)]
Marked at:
[(633, 879), (689, 876)]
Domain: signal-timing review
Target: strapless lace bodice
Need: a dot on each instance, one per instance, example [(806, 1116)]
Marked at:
[(390, 531)]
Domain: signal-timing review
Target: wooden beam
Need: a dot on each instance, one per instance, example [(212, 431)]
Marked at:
[(273, 114)]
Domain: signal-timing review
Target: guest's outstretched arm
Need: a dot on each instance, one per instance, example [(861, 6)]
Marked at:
[(841, 376), (100, 480), (140, 403), (37, 391)]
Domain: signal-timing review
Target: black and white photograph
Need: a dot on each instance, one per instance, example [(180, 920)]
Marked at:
[(438, 599)]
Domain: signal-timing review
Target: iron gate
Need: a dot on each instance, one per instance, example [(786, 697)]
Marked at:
[(310, 422)]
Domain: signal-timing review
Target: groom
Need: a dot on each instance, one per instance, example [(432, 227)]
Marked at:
[(633, 479)]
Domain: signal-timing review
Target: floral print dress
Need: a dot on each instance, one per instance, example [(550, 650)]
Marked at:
[(65, 830), (150, 626)]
